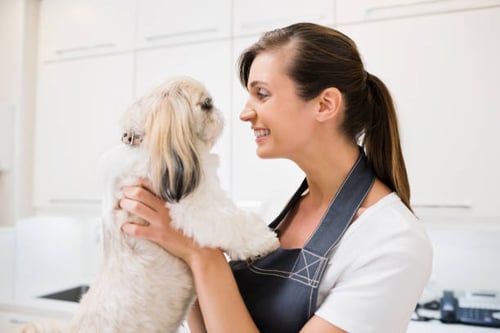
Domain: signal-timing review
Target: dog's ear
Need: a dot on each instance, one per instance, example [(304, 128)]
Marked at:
[(175, 164)]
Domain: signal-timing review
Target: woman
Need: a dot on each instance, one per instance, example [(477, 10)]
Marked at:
[(353, 256)]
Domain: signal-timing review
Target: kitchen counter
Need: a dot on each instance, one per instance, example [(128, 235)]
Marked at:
[(438, 327), (14, 315)]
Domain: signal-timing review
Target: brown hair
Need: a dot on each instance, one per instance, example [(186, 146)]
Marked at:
[(323, 57)]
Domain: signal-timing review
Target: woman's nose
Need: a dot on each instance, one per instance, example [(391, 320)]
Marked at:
[(247, 114)]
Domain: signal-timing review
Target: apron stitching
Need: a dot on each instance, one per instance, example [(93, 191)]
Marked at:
[(295, 274), (347, 226), (308, 267), (284, 275), (311, 280)]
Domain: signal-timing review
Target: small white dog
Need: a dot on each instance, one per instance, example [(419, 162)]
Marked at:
[(140, 287)]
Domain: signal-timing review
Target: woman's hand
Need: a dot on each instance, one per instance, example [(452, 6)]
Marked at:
[(220, 302), (140, 201)]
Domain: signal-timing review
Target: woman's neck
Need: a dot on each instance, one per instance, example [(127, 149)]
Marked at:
[(326, 172)]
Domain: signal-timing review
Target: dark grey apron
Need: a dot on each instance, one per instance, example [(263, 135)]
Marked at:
[(280, 290)]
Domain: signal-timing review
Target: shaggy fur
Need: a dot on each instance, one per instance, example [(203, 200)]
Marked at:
[(140, 287)]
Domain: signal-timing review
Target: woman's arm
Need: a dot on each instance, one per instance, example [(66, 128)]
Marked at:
[(195, 319), (220, 302), (317, 324)]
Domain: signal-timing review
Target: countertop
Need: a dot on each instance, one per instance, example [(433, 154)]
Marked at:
[(20, 312), (438, 327)]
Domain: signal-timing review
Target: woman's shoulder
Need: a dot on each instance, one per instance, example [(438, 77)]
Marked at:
[(389, 228), (384, 255), (389, 215)]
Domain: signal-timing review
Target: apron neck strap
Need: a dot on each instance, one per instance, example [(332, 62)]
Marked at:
[(342, 208)]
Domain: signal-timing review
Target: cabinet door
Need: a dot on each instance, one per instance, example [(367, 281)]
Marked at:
[(444, 73), (14, 318), (207, 62), (85, 27), (257, 16), (7, 112), (7, 263), (349, 11), (261, 185), (160, 22), (78, 109)]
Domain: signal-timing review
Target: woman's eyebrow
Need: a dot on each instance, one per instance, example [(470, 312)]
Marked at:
[(256, 82)]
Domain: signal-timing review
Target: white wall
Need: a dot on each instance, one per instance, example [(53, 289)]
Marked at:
[(19, 28), (10, 41), (466, 252), (18, 24)]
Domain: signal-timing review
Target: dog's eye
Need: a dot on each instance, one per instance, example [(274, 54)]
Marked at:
[(207, 105)]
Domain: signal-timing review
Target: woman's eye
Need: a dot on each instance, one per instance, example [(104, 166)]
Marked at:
[(261, 93)]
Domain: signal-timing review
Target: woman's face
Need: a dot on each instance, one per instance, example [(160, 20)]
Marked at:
[(282, 122)]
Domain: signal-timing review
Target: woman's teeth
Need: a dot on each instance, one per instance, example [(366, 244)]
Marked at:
[(261, 132)]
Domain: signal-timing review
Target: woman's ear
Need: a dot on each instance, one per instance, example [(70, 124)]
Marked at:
[(330, 101)]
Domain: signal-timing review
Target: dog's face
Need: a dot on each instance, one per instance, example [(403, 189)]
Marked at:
[(175, 123)]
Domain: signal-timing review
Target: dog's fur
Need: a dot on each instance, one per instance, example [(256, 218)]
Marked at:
[(140, 287)]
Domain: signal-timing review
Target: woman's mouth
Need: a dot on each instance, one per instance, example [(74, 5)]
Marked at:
[(259, 133)]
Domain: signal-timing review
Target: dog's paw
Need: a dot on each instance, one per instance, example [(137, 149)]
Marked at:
[(255, 248)]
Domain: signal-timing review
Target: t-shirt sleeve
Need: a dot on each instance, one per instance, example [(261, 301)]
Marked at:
[(379, 290)]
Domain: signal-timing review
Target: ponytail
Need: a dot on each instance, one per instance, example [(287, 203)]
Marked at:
[(381, 139)]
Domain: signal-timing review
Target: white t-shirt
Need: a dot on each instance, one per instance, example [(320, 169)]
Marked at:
[(377, 272)]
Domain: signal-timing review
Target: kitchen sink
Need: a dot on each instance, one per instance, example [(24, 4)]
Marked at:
[(68, 295)]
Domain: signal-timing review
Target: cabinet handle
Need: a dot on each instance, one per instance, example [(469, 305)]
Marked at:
[(75, 201), (453, 206), (85, 48), (154, 38), (16, 321), (426, 6), (258, 25)]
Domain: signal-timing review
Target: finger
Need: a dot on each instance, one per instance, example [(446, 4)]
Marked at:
[(146, 183), (138, 209), (143, 195), (136, 230)]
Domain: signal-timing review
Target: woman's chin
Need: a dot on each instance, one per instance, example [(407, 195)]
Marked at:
[(265, 153)]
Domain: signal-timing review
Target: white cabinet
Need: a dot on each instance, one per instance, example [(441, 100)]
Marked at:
[(444, 74), (7, 112), (349, 11), (11, 321), (7, 263), (85, 27), (51, 255), (13, 318), (262, 185), (208, 62), (160, 22), (257, 16), (79, 105)]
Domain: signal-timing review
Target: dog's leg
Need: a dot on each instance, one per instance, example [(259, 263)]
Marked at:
[(214, 220), (247, 236)]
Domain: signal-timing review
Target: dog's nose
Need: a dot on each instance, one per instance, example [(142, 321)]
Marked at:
[(131, 138), (127, 138)]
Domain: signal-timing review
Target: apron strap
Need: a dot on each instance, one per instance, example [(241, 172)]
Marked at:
[(293, 200), (344, 205)]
